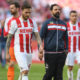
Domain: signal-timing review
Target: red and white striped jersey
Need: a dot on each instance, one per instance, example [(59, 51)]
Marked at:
[(73, 36), (7, 27), (22, 31)]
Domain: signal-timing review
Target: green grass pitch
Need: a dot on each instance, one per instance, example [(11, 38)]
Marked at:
[(36, 72)]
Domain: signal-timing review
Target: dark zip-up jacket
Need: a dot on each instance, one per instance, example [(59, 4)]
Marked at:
[(55, 36)]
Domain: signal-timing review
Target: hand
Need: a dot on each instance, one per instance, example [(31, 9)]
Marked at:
[(7, 57), (66, 51), (41, 49), (40, 53), (11, 63)]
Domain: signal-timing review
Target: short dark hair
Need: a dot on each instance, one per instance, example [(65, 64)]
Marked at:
[(51, 8), (73, 11), (16, 4), (25, 5)]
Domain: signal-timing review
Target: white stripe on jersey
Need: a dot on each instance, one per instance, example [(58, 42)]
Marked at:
[(29, 37), (77, 36), (24, 38)]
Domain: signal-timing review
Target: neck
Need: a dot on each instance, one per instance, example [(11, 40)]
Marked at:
[(55, 17), (16, 15), (23, 18), (73, 22)]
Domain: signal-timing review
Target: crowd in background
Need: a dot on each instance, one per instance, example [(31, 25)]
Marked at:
[(40, 12)]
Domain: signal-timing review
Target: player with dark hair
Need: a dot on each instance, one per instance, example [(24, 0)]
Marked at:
[(14, 10), (74, 44), (54, 34), (22, 29)]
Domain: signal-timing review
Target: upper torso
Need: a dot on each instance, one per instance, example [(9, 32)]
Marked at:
[(22, 31), (74, 36), (53, 32)]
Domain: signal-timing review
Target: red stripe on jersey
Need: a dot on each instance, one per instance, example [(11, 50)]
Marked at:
[(68, 26), (69, 38), (18, 23), (30, 44), (74, 27), (20, 36), (21, 42), (79, 43), (25, 24), (69, 44), (74, 44), (31, 22), (9, 23), (27, 43), (79, 36), (8, 26), (79, 24)]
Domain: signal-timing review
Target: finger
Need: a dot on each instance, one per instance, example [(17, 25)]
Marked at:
[(7, 60)]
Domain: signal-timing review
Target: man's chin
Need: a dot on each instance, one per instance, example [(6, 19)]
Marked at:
[(26, 18)]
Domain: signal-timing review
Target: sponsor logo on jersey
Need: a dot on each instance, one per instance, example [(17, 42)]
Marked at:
[(25, 30)]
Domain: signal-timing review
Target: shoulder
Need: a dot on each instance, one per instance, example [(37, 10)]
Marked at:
[(47, 21), (79, 23), (32, 21), (16, 20), (8, 19), (13, 23), (62, 22), (68, 24)]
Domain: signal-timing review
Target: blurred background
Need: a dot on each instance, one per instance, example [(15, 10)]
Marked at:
[(40, 12)]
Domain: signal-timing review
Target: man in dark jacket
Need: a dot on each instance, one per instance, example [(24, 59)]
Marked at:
[(54, 34)]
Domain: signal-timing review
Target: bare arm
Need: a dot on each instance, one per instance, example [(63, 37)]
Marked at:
[(40, 45), (38, 38), (8, 42)]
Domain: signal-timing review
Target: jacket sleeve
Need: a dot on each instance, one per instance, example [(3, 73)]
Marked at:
[(43, 30), (66, 39)]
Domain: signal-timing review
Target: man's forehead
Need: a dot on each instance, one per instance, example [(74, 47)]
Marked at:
[(12, 5), (73, 13)]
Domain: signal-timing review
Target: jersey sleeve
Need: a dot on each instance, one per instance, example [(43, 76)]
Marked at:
[(13, 27), (35, 27)]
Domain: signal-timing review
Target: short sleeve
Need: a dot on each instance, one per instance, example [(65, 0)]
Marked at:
[(13, 27), (35, 27)]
